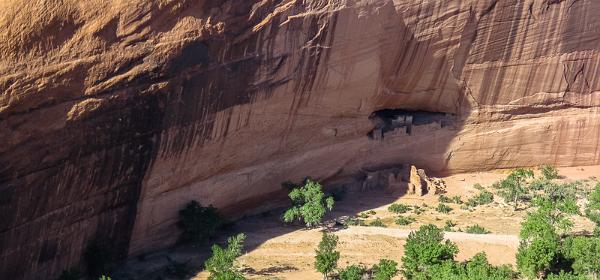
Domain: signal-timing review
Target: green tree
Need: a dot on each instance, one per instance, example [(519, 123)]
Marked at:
[(198, 223), (514, 188), (221, 263), (537, 257), (540, 245), (447, 270), (327, 257), (592, 210), (104, 277), (353, 272), (556, 204), (540, 250), (385, 270), (309, 204), (425, 248), (478, 268), (566, 276), (584, 252)]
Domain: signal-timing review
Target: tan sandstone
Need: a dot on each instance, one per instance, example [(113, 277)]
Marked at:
[(114, 114)]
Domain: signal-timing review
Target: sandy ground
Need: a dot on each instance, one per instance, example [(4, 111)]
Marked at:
[(277, 251), (291, 256)]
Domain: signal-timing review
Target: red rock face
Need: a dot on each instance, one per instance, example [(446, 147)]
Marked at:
[(114, 114)]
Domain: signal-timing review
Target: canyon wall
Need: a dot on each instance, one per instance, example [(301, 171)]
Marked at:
[(114, 114)]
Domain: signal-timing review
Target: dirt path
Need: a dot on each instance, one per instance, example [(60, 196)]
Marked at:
[(488, 239)]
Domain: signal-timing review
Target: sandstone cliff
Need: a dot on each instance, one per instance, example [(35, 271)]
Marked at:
[(113, 113)]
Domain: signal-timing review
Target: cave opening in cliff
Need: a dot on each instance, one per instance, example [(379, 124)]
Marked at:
[(388, 120)]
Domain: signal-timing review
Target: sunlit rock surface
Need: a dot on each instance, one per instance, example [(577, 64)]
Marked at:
[(114, 114)]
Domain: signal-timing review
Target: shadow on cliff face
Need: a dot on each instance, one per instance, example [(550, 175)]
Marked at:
[(417, 112), (72, 175), (82, 182)]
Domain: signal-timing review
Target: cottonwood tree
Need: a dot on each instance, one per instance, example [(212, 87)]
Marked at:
[(584, 252), (353, 272), (385, 269), (198, 223), (327, 256), (428, 256), (221, 264), (425, 248), (540, 245), (556, 204), (514, 187), (309, 204), (592, 210)]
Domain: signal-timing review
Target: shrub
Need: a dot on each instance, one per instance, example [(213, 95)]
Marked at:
[(592, 209), (385, 270), (309, 204), (484, 197), (514, 186), (478, 187), (104, 277), (478, 268), (537, 257), (584, 252), (549, 172), (425, 248), (198, 224), (404, 221), (418, 210), (353, 272), (327, 257), (538, 184), (371, 212), (443, 208), (449, 225), (566, 276), (221, 264), (540, 245), (399, 208), (377, 223), (444, 199), (353, 221), (476, 229), (555, 205), (457, 199)]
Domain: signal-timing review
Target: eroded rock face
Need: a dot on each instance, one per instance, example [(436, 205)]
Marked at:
[(114, 114)]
